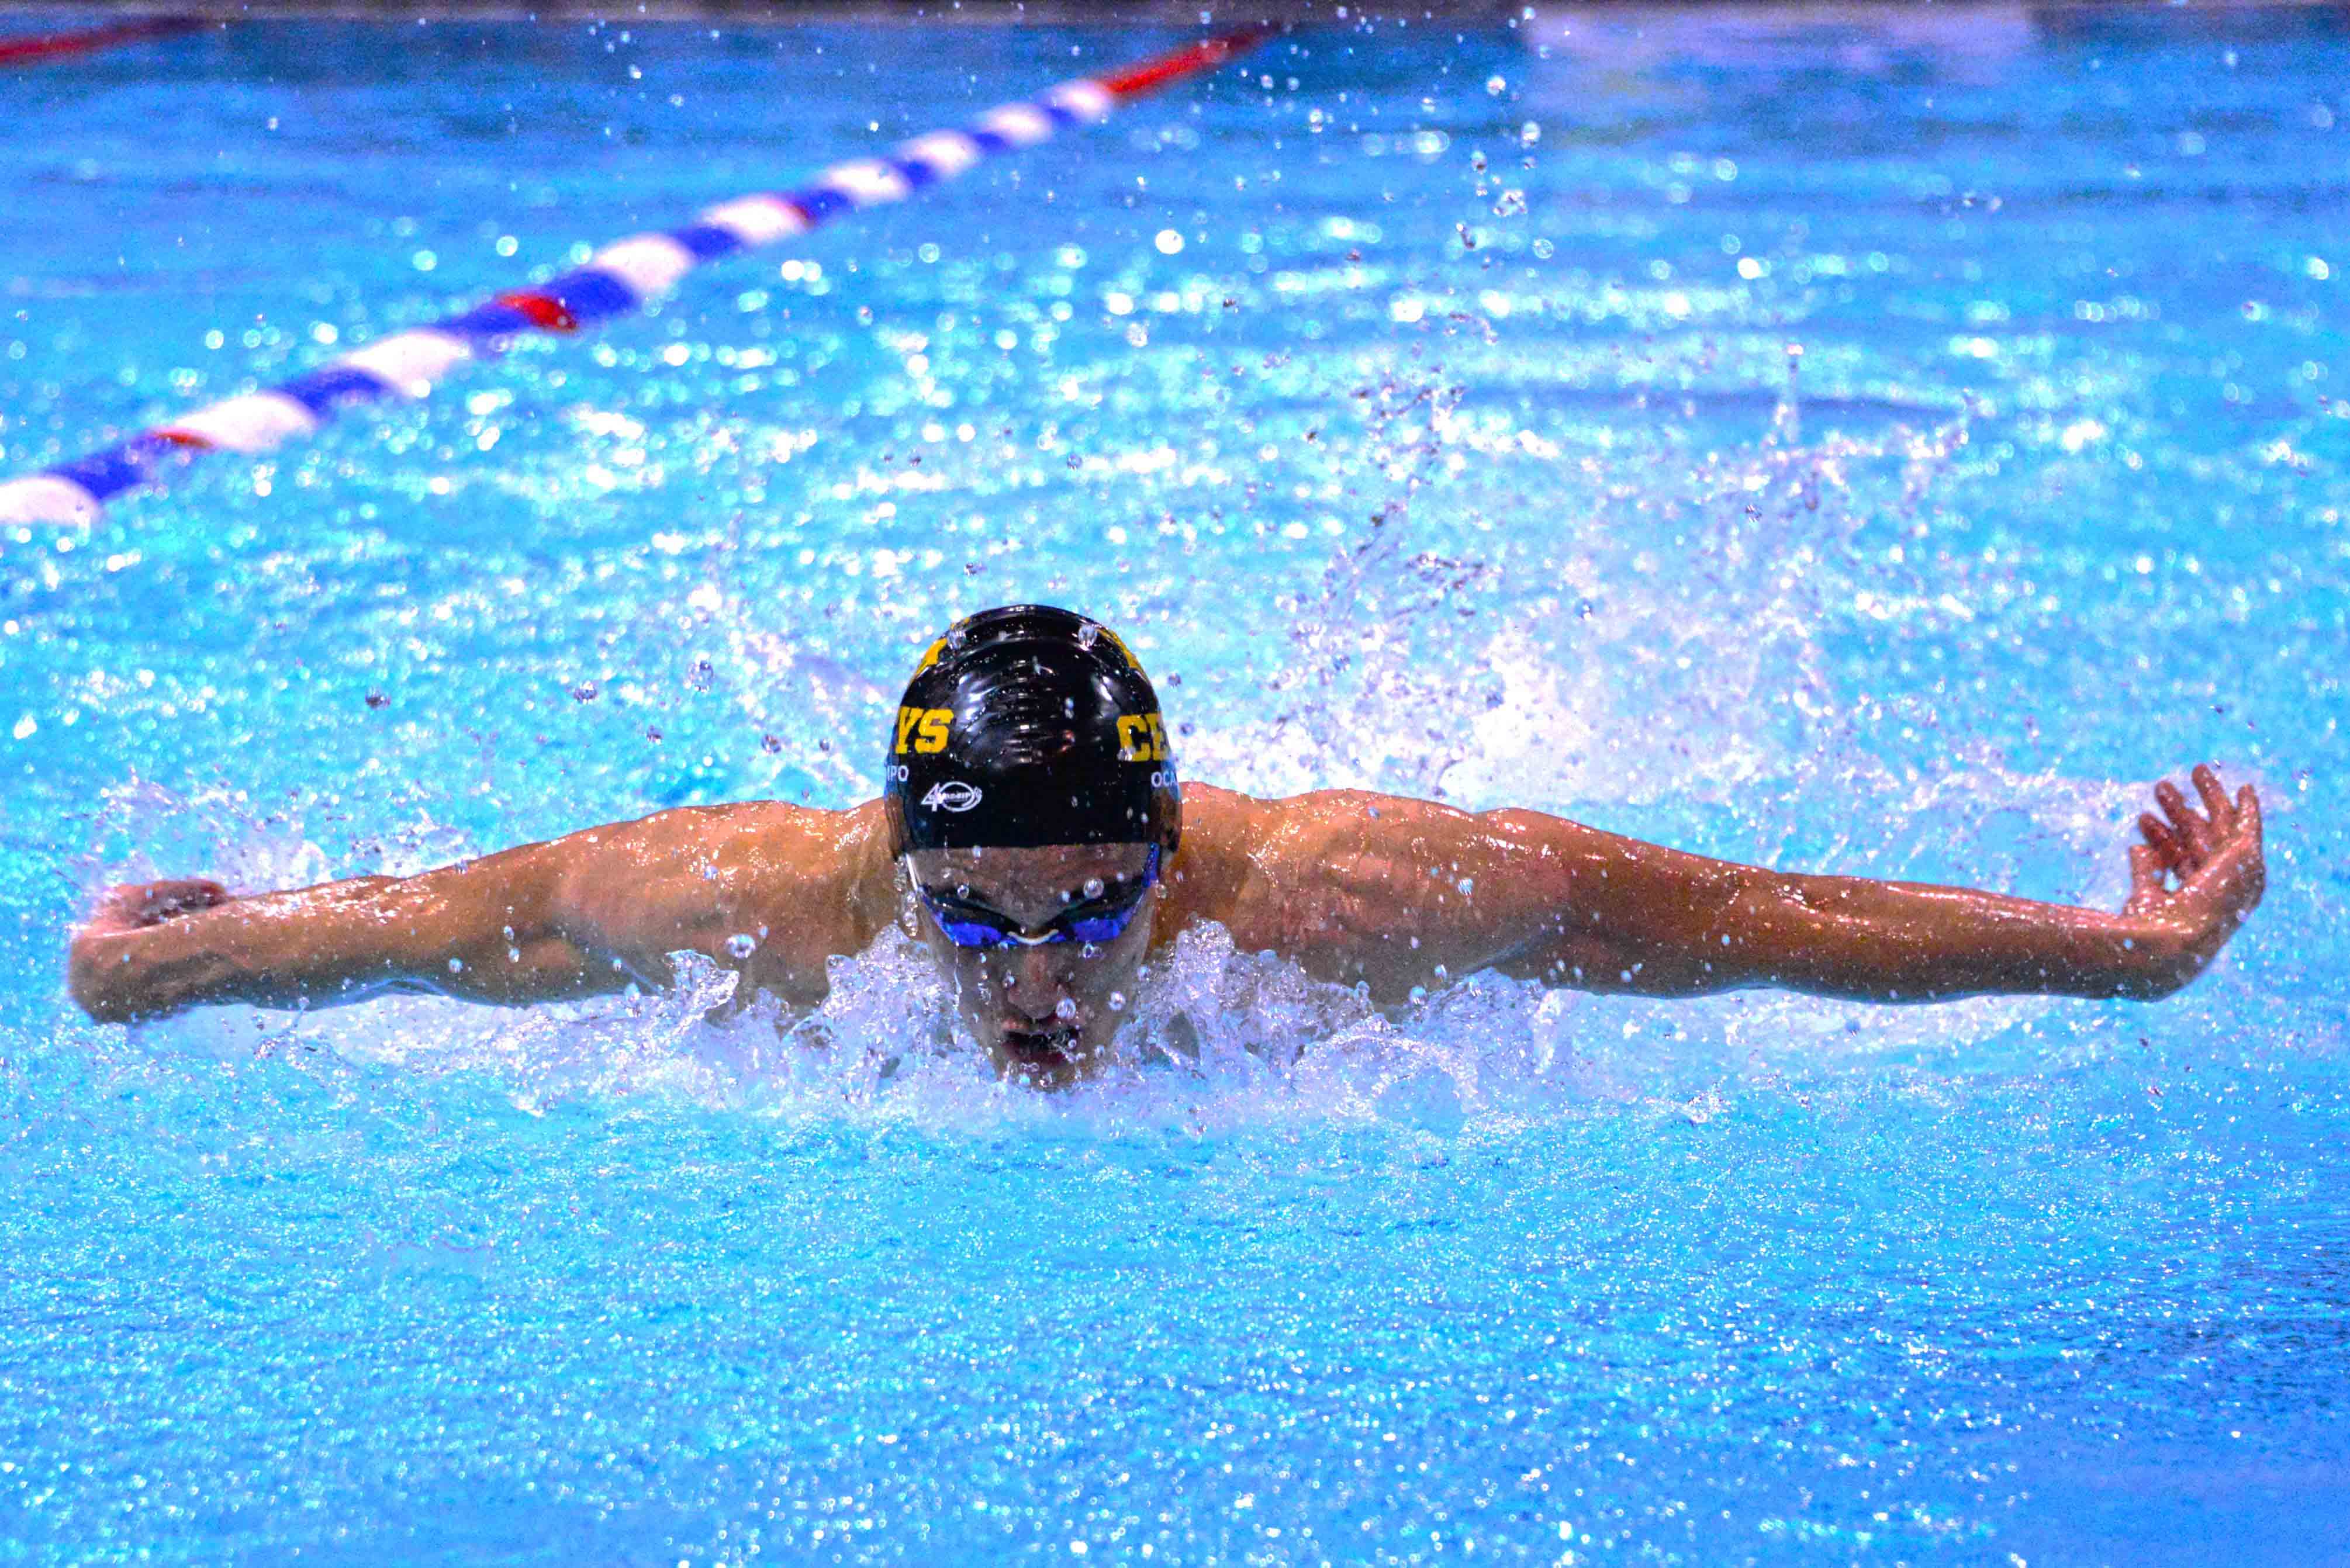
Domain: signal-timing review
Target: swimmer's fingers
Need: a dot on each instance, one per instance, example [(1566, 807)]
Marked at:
[(2146, 872), (137, 905), (2164, 845), (2216, 804), (2185, 825)]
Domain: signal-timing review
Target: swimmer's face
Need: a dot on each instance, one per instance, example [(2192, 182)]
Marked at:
[(1045, 1011)]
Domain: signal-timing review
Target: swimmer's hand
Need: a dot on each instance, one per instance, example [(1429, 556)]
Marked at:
[(2215, 858), (134, 906), (96, 963)]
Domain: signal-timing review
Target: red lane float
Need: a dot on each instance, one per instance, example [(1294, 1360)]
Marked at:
[(55, 45), (622, 276)]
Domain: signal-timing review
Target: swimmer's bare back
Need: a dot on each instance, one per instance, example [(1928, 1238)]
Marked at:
[(1395, 893)]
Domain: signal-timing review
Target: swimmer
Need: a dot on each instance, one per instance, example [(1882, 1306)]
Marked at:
[(1033, 836)]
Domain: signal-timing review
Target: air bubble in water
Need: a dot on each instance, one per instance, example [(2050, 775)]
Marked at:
[(1093, 886), (1087, 634), (1117, 1002), (456, 966), (1090, 950), (742, 944), (1066, 1011)]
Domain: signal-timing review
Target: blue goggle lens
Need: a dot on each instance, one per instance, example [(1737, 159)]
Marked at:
[(966, 931)]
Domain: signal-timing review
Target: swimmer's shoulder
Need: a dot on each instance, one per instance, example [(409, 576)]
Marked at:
[(1223, 830), (1242, 857)]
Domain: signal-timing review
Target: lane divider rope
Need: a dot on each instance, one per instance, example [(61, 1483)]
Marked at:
[(57, 46), (623, 277)]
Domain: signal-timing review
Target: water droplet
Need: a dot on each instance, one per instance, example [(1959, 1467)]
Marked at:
[(1117, 1002), (1419, 993), (1496, 86), (1087, 635), (1066, 1009), (1443, 973), (456, 966)]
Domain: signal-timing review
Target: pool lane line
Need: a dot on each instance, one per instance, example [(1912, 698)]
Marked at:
[(623, 277), (57, 46)]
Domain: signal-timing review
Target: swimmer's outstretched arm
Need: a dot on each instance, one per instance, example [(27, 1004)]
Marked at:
[(1403, 894), (580, 916)]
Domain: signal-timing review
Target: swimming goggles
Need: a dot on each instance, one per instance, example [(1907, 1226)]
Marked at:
[(974, 926)]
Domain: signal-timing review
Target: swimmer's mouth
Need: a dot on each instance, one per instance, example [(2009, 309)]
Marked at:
[(1040, 1047)]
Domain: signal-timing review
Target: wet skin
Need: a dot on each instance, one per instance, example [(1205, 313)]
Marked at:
[(1046, 1011), (1391, 894)]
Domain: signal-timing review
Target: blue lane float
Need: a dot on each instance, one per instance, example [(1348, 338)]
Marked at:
[(623, 277)]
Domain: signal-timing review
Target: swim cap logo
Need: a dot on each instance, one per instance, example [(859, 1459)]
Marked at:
[(952, 794), (1140, 738), (925, 728)]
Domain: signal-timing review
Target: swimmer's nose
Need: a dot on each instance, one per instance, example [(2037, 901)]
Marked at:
[(1032, 980)]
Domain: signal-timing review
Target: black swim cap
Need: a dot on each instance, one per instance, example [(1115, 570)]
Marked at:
[(1029, 725)]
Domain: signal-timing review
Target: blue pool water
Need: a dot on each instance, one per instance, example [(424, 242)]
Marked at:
[(1879, 446)]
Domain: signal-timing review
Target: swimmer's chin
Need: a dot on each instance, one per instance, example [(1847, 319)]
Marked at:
[(1050, 1058)]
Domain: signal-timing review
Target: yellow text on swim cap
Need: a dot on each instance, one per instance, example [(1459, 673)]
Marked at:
[(925, 727), (1140, 738)]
